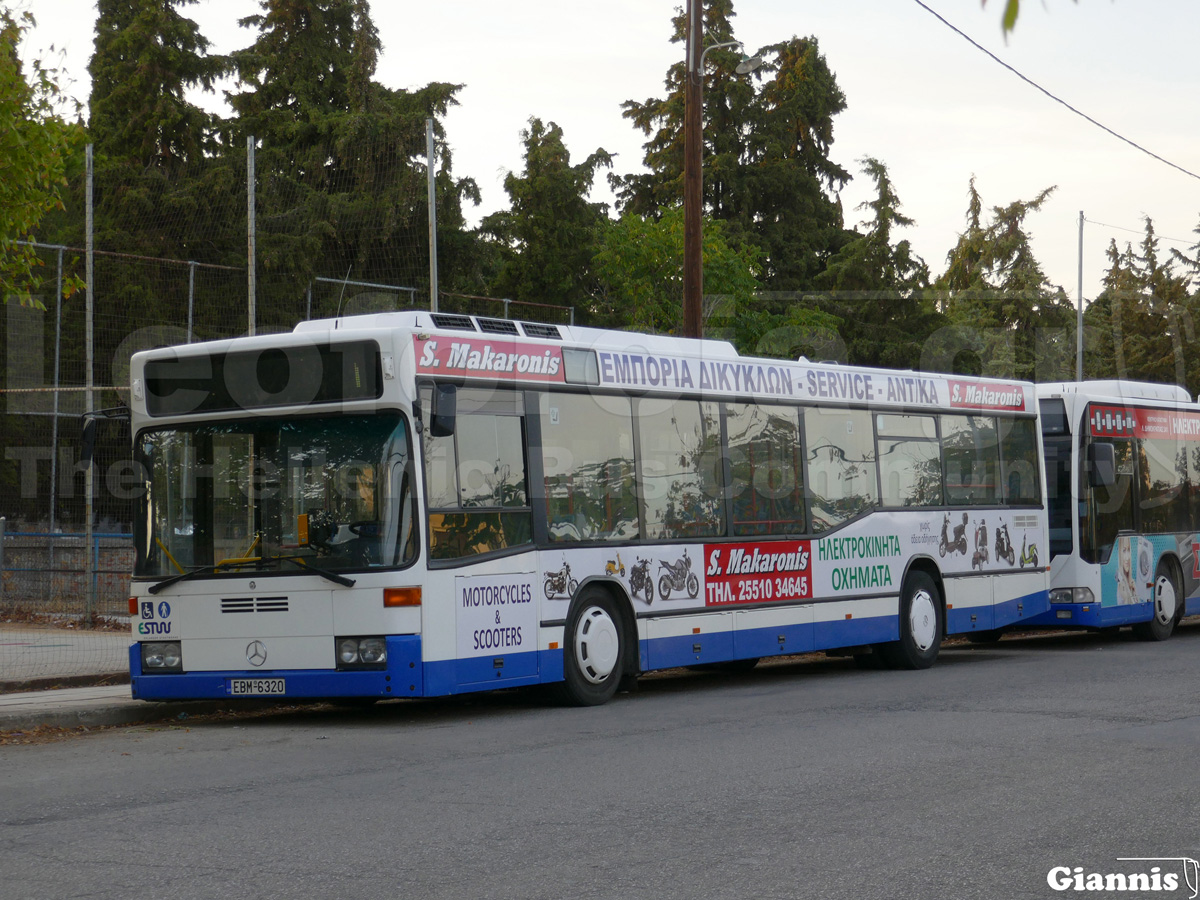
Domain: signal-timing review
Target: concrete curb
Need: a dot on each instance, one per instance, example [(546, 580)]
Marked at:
[(91, 707)]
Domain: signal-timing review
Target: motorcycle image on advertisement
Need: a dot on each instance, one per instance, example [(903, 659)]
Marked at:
[(1004, 547), (639, 579), (678, 576), (1028, 556), (980, 556), (560, 583), (959, 544), (611, 567)]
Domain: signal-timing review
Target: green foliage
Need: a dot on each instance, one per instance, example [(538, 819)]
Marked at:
[(639, 266), (877, 289), (767, 138), (1143, 319), (147, 55), (547, 239), (1001, 307), (35, 146)]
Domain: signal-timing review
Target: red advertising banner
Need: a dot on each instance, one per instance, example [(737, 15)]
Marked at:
[(471, 357), (983, 395), (757, 572), (1121, 421)]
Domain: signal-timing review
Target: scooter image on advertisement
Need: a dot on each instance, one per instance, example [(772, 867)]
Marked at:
[(639, 579), (611, 567), (1004, 547), (560, 583), (959, 544), (980, 556), (1030, 556), (678, 576)]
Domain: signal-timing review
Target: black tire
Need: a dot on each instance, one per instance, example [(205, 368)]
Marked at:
[(593, 651), (987, 636), (693, 585), (1166, 606), (572, 587), (649, 590), (664, 588), (920, 625), (549, 589)]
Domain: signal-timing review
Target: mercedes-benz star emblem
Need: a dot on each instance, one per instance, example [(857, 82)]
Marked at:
[(256, 653)]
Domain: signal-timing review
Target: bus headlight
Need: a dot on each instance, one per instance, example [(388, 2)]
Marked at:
[(361, 652), (162, 656), (1072, 595)]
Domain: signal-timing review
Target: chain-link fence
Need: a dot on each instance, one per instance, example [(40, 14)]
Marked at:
[(168, 269)]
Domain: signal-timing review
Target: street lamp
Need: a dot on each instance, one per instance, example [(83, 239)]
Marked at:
[(693, 149)]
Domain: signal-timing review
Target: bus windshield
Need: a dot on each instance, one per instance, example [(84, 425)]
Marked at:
[(334, 492)]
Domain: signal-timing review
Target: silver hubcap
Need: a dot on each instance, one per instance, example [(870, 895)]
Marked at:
[(922, 620), (1164, 600), (596, 644)]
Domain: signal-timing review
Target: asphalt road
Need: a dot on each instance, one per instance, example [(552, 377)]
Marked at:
[(797, 780)]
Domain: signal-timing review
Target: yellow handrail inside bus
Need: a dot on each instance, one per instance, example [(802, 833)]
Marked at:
[(163, 548), (245, 557)]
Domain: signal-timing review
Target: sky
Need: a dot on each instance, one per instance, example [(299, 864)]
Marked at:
[(935, 109)]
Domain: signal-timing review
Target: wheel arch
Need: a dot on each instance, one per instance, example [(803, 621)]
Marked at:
[(620, 597), (1171, 558), (927, 566)]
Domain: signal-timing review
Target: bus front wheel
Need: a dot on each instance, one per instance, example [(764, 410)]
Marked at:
[(1166, 602), (594, 656), (920, 625)]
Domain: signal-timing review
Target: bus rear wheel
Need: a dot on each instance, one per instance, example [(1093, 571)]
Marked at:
[(1166, 604), (920, 626), (594, 655)]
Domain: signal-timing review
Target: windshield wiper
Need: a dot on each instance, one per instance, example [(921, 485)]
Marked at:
[(203, 570), (257, 563), (324, 573)]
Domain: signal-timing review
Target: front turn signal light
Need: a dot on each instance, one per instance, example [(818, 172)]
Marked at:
[(406, 596)]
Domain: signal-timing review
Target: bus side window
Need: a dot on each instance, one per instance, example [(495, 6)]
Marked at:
[(1019, 461), (679, 468), (843, 479), (475, 478), (587, 457), (766, 460), (971, 455)]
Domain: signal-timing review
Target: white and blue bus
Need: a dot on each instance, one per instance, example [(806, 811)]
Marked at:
[(1123, 471), (416, 504)]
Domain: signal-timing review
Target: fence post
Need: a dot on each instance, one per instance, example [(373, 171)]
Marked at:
[(191, 297), (3, 523), (90, 474)]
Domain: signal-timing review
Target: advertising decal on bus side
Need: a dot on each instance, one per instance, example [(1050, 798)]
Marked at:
[(495, 614)]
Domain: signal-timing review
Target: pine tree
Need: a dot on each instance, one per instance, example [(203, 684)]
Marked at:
[(876, 288), (147, 55), (996, 292), (767, 139), (548, 237)]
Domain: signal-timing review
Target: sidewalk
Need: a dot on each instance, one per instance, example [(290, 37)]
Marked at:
[(90, 706), (32, 656)]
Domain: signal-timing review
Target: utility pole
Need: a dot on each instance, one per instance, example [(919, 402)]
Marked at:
[(693, 195)]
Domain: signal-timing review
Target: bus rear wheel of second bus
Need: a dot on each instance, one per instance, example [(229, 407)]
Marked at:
[(920, 626), (1166, 601), (594, 655)]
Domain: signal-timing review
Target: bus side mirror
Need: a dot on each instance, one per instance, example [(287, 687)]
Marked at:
[(445, 402), (1102, 465), (87, 442)]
